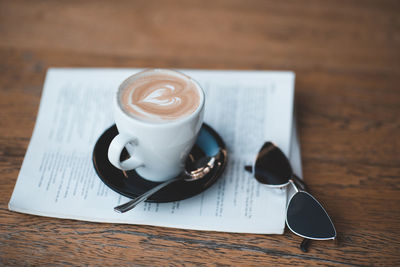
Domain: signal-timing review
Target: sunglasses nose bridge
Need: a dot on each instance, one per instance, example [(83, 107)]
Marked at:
[(293, 185)]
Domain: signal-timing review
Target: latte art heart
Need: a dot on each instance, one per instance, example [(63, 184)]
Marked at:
[(160, 97)]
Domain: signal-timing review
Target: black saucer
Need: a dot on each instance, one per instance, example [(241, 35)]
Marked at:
[(130, 184)]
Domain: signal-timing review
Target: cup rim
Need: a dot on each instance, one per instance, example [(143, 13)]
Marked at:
[(168, 122)]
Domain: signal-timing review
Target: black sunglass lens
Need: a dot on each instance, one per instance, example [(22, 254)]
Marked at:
[(306, 217), (272, 166)]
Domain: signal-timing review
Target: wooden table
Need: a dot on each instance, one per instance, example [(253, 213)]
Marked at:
[(347, 63)]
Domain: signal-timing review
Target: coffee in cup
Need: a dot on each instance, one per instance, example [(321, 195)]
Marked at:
[(159, 96), (158, 114)]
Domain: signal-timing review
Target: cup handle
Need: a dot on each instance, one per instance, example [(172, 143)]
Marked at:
[(115, 150)]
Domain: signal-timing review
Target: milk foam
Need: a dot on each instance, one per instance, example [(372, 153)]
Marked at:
[(159, 96)]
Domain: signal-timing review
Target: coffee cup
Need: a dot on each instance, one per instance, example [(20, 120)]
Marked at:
[(158, 114)]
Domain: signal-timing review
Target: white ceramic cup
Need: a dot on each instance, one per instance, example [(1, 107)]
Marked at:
[(158, 151)]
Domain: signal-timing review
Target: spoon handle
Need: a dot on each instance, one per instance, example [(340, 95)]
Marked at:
[(132, 203)]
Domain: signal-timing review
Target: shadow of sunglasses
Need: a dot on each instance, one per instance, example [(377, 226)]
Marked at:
[(305, 216)]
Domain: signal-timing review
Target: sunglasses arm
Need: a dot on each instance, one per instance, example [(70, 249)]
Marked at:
[(299, 183), (305, 244)]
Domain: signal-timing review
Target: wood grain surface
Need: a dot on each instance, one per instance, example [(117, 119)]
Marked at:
[(347, 63)]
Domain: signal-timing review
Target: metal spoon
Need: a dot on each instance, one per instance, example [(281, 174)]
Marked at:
[(198, 169)]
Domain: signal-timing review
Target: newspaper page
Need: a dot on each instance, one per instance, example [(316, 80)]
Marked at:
[(246, 108)]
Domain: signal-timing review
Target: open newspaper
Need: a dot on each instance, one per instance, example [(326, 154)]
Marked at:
[(246, 108)]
